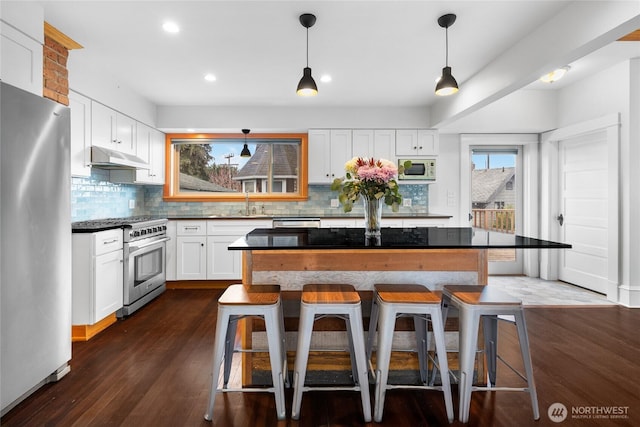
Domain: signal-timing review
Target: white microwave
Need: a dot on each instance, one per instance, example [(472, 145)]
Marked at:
[(420, 170)]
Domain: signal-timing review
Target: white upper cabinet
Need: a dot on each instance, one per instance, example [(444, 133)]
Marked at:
[(150, 148), (384, 143), (21, 55), (80, 134), (362, 142), (416, 142), (379, 143), (329, 150), (111, 129)]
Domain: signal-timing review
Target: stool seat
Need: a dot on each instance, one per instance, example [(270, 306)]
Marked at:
[(475, 302), (329, 294), (250, 295), (407, 294), (337, 300), (237, 302), (480, 295)]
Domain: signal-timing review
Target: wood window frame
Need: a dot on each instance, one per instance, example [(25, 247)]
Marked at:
[(172, 170)]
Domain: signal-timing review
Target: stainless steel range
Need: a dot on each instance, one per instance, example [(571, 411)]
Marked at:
[(144, 250), (144, 263)]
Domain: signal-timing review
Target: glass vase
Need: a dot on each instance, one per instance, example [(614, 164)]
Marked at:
[(372, 216)]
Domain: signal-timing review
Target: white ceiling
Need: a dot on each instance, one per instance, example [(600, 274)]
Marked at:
[(379, 53)]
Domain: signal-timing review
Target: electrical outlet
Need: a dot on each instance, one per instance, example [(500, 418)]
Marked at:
[(132, 204), (406, 202), (335, 203)]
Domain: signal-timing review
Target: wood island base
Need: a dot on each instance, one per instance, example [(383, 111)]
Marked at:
[(291, 269)]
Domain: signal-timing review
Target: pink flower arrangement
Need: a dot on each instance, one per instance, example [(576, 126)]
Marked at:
[(370, 178), (372, 169)]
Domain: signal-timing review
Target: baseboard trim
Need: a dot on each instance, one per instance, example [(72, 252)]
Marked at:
[(201, 284), (86, 332)]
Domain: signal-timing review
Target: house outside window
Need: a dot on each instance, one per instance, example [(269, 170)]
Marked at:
[(208, 167)]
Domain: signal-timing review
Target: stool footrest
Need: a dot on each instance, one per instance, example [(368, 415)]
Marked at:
[(484, 388), (414, 387), (247, 389), (331, 388)]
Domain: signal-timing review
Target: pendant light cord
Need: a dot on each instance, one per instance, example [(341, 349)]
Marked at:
[(446, 43), (307, 47)]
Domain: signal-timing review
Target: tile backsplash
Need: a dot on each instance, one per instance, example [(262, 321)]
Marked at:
[(95, 197)]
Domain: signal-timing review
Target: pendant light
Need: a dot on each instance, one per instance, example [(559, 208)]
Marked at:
[(307, 86), (245, 150), (447, 85)]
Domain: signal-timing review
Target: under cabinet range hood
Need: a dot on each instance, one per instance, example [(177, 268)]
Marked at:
[(106, 158)]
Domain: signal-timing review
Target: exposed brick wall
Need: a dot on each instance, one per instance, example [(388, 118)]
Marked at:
[(55, 73)]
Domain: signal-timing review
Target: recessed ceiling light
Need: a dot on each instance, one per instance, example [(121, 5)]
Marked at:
[(171, 27), (555, 75), (210, 77), (325, 78)]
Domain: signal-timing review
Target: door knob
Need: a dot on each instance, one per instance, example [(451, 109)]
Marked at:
[(560, 219)]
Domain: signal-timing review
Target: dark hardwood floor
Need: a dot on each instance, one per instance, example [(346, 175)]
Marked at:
[(152, 369)]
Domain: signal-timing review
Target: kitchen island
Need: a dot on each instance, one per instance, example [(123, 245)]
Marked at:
[(432, 256)]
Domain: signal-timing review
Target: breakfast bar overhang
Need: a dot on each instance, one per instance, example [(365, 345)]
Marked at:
[(431, 256), (339, 252)]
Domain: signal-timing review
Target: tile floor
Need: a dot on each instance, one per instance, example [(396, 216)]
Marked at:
[(540, 292)]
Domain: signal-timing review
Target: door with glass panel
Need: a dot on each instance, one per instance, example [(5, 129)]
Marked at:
[(496, 200)]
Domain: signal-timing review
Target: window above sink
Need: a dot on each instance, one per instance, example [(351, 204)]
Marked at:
[(217, 167)]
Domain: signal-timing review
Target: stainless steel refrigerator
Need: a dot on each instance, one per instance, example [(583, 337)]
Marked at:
[(35, 249)]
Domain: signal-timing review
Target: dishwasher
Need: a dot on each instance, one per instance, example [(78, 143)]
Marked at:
[(296, 222)]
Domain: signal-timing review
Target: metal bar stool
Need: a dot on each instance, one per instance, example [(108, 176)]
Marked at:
[(474, 302), (237, 302), (393, 300), (421, 334), (335, 300)]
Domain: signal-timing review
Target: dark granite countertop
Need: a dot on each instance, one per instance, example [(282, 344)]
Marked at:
[(391, 238), (336, 216)]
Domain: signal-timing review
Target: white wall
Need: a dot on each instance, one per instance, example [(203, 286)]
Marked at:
[(591, 99), (28, 17), (288, 119), (444, 197), (595, 97), (523, 111), (100, 85)]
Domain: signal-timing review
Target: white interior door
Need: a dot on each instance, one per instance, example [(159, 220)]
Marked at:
[(584, 205)]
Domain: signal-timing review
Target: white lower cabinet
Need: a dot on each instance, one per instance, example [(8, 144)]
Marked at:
[(191, 257), (337, 222), (386, 222), (191, 250), (221, 262), (97, 275), (200, 249), (425, 222), (170, 257)]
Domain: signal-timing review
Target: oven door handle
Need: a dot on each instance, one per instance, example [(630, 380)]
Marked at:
[(133, 249)]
